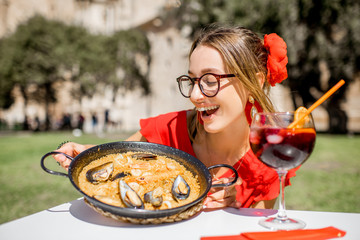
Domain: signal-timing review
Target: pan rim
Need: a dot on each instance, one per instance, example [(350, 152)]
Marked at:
[(144, 147)]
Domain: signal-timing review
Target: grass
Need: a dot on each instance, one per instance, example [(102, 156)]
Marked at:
[(328, 181), (25, 187)]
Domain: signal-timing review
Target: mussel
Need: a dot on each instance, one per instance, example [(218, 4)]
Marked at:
[(100, 173), (130, 198), (119, 175), (154, 197), (180, 188), (144, 156)]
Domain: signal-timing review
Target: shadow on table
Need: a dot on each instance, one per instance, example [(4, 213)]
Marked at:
[(80, 210), (251, 212), (83, 212)]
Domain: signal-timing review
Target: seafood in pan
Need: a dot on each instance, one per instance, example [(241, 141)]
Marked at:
[(100, 173), (140, 181)]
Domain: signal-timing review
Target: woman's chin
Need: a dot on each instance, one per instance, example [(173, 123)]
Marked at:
[(211, 127)]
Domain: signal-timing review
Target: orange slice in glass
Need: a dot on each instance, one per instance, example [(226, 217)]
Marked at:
[(298, 114)]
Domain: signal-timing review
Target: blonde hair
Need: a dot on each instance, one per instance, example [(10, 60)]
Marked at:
[(244, 55)]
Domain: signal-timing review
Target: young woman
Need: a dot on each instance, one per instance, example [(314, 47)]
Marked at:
[(230, 72)]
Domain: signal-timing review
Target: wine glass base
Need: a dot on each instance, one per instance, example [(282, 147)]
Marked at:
[(282, 224)]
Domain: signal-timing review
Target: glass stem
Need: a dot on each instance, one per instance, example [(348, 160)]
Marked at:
[(282, 212)]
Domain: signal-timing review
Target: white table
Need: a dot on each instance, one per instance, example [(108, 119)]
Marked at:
[(75, 220)]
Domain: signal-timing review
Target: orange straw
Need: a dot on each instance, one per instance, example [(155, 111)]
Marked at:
[(318, 102)]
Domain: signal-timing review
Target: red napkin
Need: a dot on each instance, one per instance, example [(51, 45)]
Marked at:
[(303, 234)]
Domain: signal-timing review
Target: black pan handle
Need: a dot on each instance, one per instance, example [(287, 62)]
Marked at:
[(51, 171), (229, 183)]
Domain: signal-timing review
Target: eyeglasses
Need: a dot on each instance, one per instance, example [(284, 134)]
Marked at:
[(209, 84)]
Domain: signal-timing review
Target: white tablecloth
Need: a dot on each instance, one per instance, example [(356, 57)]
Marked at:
[(75, 220)]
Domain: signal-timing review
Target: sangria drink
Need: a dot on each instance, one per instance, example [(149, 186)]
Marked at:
[(282, 148)]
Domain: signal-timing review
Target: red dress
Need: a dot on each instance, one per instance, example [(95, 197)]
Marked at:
[(259, 182)]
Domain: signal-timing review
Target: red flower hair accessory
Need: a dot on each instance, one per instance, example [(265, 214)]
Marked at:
[(277, 58)]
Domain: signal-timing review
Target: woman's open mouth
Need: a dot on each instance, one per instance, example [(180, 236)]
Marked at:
[(207, 111)]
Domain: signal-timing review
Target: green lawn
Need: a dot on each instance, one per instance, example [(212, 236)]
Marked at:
[(25, 187), (328, 181)]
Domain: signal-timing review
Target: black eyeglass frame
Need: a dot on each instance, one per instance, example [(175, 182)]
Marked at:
[(193, 80)]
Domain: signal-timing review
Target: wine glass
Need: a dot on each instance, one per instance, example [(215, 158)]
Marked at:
[(282, 149)]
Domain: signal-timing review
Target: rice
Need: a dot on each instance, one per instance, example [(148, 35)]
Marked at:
[(142, 176)]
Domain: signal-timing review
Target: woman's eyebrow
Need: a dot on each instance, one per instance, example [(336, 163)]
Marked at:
[(207, 70)]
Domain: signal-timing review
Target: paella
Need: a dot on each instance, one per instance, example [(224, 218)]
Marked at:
[(139, 180)]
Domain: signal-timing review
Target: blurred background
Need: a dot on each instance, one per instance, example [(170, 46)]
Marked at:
[(88, 70)]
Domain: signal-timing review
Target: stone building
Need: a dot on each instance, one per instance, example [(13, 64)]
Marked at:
[(169, 50)]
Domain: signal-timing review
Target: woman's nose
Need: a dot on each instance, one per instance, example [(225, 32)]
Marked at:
[(196, 92)]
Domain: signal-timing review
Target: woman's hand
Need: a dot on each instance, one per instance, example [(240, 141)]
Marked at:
[(221, 197), (72, 149)]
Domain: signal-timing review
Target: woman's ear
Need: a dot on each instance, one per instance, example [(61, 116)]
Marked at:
[(261, 78)]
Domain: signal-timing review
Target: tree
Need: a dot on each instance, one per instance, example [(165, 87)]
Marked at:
[(30, 57), (41, 51), (317, 32)]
